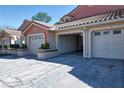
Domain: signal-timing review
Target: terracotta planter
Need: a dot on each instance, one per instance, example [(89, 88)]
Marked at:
[(47, 53)]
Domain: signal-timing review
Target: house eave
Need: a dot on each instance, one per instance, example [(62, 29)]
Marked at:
[(92, 24)]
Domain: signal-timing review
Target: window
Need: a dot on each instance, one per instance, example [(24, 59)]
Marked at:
[(35, 37), (66, 20), (116, 31), (39, 37), (42, 37), (97, 33), (106, 32)]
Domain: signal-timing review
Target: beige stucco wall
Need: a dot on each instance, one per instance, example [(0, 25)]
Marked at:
[(51, 39)]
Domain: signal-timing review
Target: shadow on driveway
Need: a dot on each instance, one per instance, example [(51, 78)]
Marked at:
[(96, 72)]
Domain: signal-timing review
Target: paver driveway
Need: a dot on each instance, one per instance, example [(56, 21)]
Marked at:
[(69, 70)]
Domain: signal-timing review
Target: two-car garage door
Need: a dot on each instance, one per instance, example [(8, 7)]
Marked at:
[(108, 44)]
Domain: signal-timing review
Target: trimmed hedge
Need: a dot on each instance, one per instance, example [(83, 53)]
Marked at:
[(6, 46), (45, 46), (14, 46)]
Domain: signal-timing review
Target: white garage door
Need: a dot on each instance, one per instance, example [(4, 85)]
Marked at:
[(35, 42), (108, 44)]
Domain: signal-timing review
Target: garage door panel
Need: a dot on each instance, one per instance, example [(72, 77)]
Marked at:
[(108, 46), (35, 42)]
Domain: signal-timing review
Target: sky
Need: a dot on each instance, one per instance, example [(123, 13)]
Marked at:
[(14, 15)]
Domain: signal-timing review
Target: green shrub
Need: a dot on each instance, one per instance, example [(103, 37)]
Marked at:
[(6, 46), (42, 46), (45, 46), (14, 46), (23, 46)]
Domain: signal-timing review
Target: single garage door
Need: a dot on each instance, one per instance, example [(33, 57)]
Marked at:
[(108, 44), (35, 42)]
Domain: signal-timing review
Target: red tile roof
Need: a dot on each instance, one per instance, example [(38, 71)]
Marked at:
[(83, 11), (26, 23), (12, 32), (112, 15)]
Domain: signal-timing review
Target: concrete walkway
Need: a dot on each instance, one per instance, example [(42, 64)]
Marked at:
[(69, 70)]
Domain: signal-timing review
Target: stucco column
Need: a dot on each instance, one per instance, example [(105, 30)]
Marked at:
[(24, 39), (89, 44), (57, 40), (86, 44), (58, 44), (21, 40), (10, 40), (2, 44), (27, 41)]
